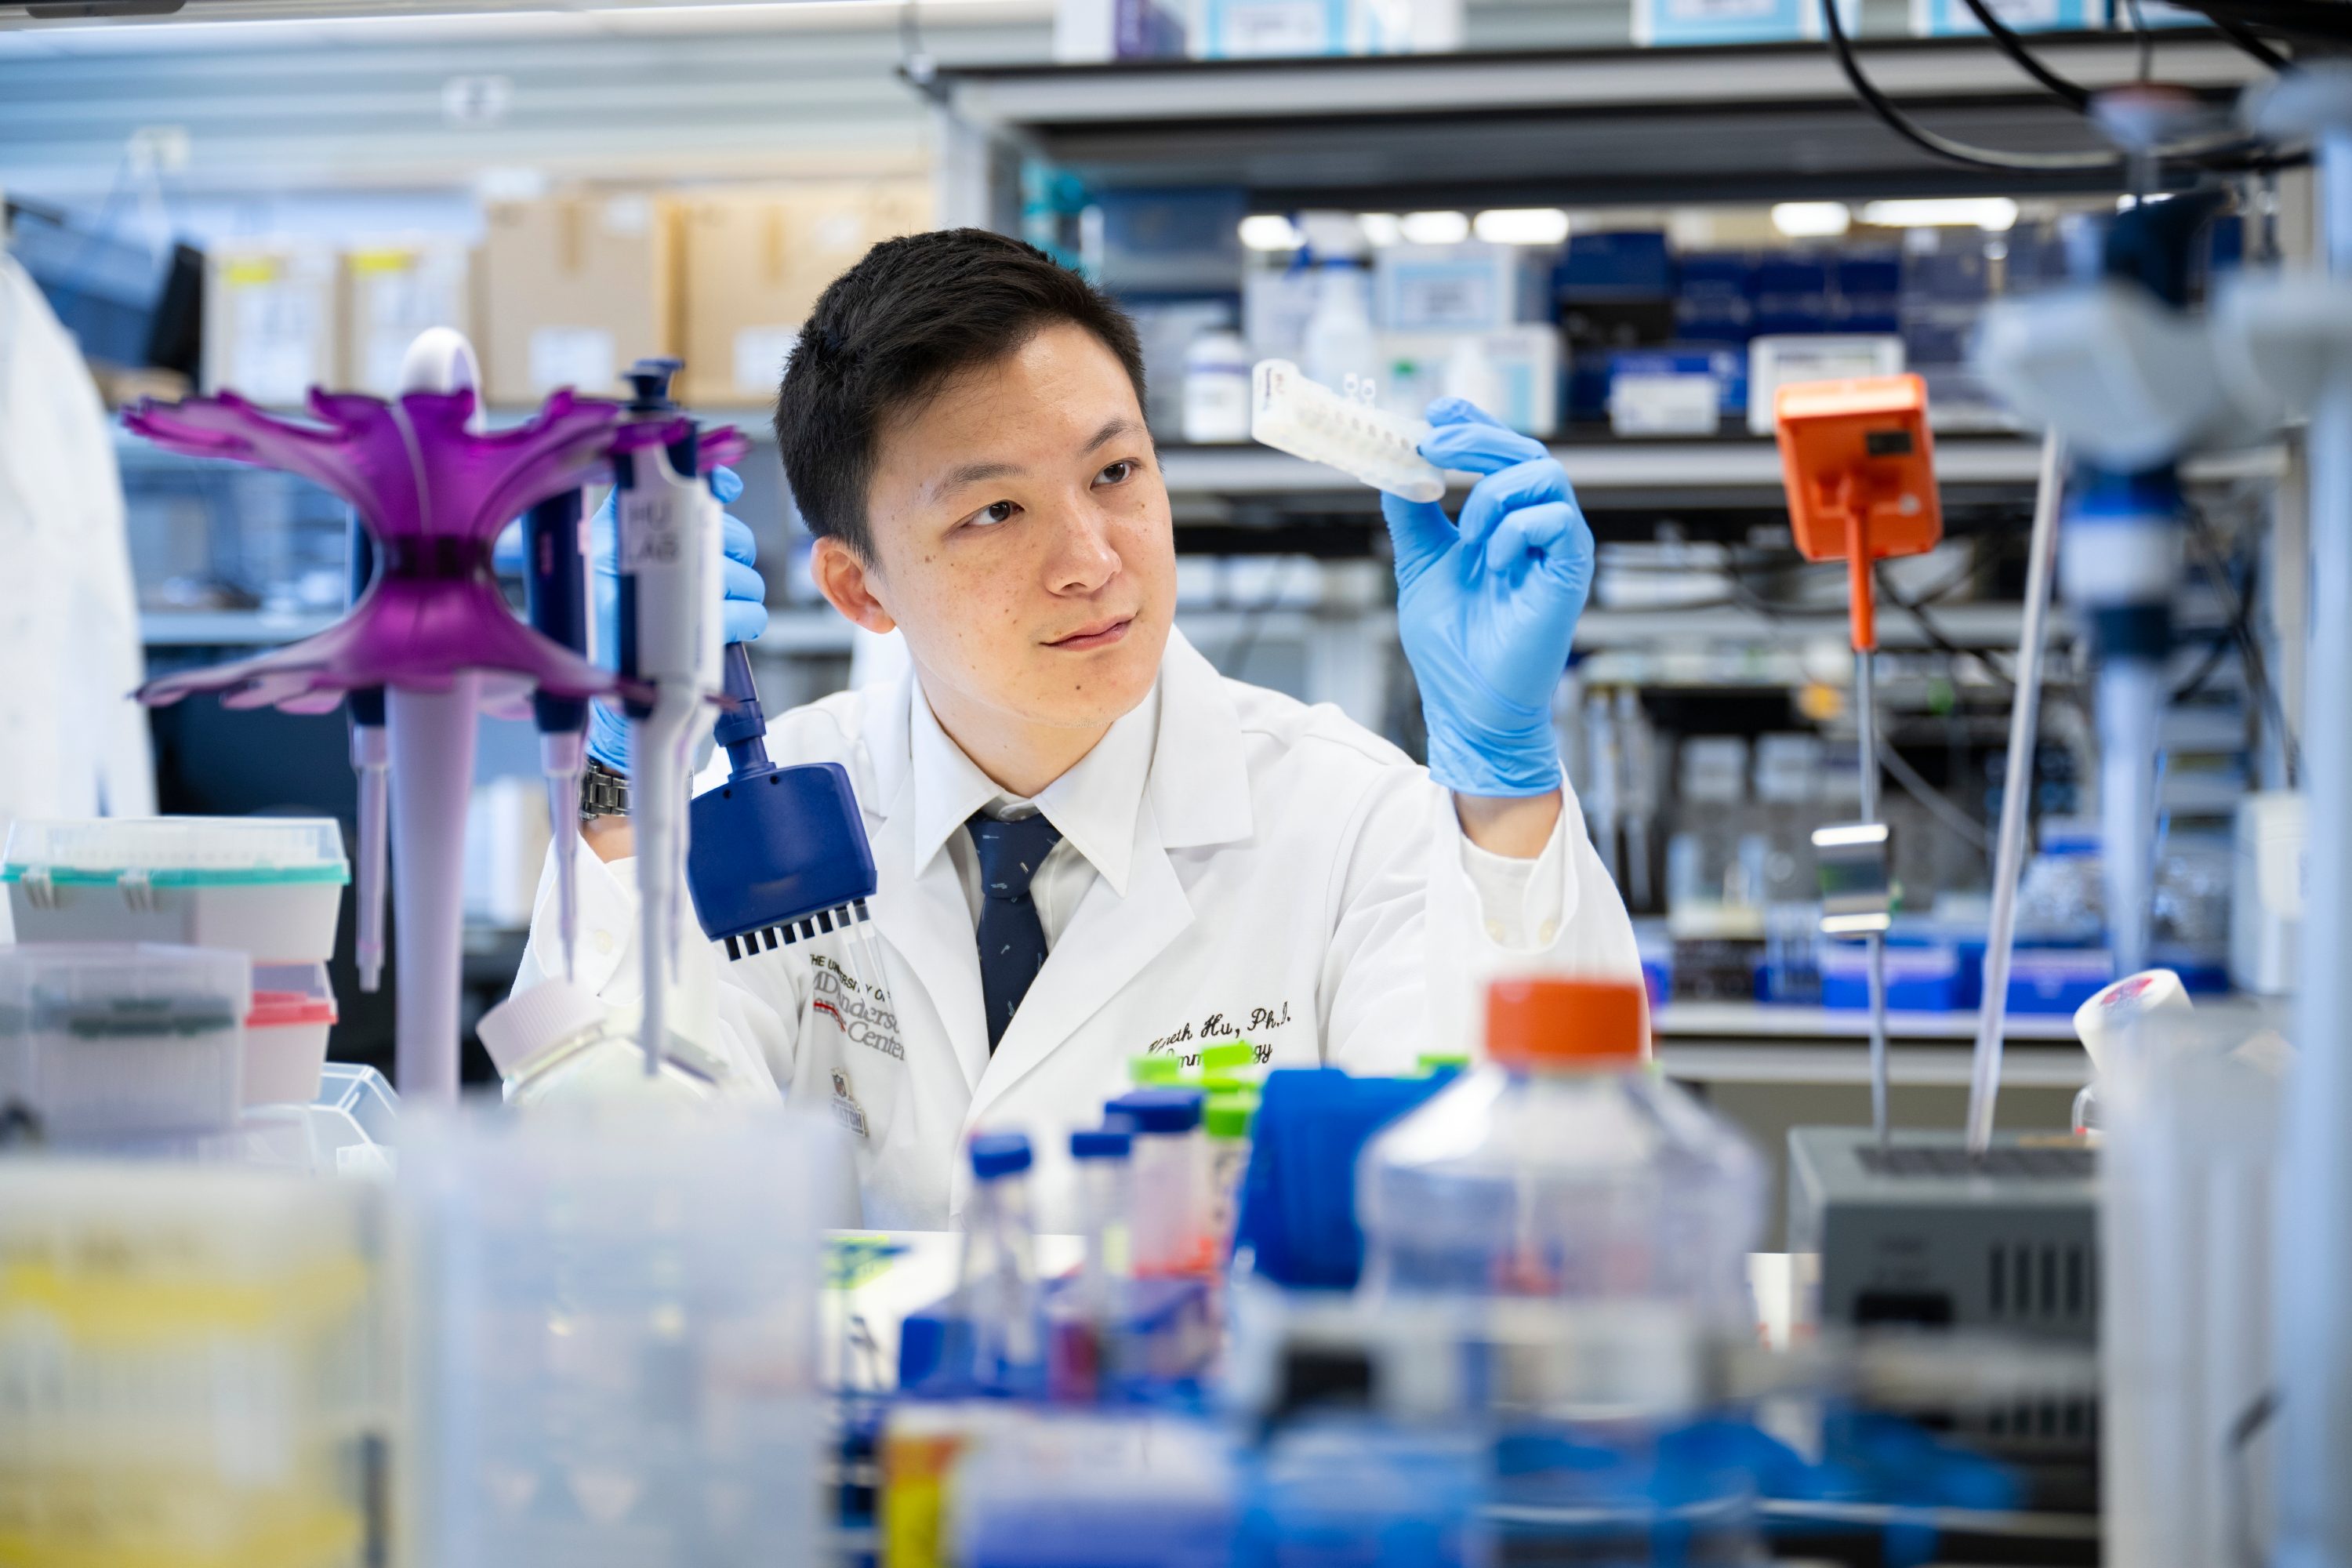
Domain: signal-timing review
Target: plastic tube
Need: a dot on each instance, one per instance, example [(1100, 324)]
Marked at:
[(2131, 698), (371, 760), (432, 737), (2016, 796)]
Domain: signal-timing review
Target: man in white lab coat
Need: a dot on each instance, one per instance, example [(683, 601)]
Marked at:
[(1090, 846)]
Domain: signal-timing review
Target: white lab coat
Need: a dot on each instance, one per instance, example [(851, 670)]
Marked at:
[(72, 741), (1295, 881)]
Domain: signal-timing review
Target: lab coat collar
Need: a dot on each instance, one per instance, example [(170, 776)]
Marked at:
[(1181, 746)]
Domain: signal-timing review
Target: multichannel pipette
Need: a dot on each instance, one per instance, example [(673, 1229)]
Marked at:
[(777, 856), (1307, 419)]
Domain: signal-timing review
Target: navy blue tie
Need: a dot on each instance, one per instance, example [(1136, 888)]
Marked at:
[(1011, 939)]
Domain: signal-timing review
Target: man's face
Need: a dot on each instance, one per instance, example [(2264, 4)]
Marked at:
[(1021, 539)]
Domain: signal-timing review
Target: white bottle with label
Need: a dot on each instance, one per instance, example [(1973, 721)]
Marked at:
[(1217, 388)]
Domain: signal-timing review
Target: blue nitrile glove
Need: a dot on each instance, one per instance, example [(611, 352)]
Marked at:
[(1485, 613), (744, 614)]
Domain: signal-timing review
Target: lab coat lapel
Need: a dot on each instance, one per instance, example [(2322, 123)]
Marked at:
[(920, 909), (1109, 941), (1196, 794)]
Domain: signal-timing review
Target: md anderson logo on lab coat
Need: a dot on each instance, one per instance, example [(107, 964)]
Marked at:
[(861, 1011)]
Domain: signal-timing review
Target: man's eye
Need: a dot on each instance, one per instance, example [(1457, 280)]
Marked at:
[(996, 513), (1117, 473)]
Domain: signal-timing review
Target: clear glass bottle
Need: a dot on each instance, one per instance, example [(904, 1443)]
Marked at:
[(996, 1285), (1564, 1167)]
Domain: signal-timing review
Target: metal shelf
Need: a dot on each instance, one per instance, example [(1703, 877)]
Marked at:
[(1750, 122)]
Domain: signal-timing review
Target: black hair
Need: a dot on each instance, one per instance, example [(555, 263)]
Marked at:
[(885, 335)]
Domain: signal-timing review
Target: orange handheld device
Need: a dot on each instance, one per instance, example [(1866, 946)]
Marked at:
[(1859, 469)]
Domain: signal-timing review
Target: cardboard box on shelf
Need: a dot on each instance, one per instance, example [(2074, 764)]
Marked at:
[(756, 261), (393, 290), (573, 288), (270, 327)]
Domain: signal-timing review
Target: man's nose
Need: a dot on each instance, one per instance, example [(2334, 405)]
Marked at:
[(1083, 559)]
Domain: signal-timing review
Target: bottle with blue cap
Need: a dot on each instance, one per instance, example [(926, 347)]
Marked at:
[(1082, 1354), (996, 1286), (1170, 1228)]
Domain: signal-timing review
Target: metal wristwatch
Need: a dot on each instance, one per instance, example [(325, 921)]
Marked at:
[(603, 792)]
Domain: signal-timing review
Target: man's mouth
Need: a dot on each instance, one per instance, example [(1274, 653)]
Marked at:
[(1094, 635)]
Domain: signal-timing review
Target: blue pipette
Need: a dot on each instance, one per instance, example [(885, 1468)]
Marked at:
[(777, 856)]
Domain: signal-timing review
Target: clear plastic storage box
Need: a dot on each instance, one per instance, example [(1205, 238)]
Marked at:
[(270, 886), (104, 1039)]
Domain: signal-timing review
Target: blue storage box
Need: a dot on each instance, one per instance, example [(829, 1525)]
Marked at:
[(1927, 978), (1947, 18), (1728, 366), (2057, 979), (1715, 297)]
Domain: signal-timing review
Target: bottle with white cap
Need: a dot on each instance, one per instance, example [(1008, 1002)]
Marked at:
[(557, 1042), (2106, 1021)]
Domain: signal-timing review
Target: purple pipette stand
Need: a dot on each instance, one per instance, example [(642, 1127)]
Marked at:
[(432, 629)]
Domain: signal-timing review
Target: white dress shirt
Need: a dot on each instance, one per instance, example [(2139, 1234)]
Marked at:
[(1093, 806)]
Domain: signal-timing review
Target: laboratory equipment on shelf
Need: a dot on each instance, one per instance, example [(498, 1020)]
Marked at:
[(555, 1043), (668, 547), (609, 1329), (191, 1378), (997, 1295), (1858, 467), (1308, 420), (777, 856), (1563, 1169), (434, 630)]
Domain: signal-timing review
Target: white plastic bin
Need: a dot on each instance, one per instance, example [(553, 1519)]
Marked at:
[(286, 1033), (270, 886), (100, 1039)]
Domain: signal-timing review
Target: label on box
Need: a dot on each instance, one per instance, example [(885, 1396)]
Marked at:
[(1240, 27), (1719, 10), (1669, 405), (275, 341), (1441, 297), (582, 357), (761, 354)]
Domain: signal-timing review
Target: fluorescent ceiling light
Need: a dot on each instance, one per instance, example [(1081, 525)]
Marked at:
[(1271, 231), (1994, 213), (1521, 225), (1436, 228), (1382, 228), (1811, 220)]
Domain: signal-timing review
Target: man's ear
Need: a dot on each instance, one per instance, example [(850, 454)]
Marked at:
[(847, 582)]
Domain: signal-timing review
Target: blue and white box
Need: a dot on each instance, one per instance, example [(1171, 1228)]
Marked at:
[(1467, 287), (1947, 18), (1257, 29), (1735, 21)]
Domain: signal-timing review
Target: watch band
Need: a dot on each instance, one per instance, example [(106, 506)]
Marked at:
[(603, 792)]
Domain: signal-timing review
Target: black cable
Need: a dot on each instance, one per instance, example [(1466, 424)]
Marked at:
[(2238, 609), (2221, 157), (1944, 147), (2015, 47), (2247, 41), (2329, 20), (2147, 41)]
